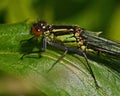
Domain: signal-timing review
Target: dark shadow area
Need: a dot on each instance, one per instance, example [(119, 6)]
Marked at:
[(109, 61), (2, 16), (32, 45)]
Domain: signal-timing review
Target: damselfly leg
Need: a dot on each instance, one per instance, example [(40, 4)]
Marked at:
[(61, 57)]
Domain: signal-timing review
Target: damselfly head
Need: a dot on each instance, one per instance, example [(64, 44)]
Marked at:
[(38, 28)]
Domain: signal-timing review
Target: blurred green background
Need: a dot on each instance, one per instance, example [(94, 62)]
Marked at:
[(95, 15)]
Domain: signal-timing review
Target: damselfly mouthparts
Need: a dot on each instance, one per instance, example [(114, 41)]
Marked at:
[(49, 34)]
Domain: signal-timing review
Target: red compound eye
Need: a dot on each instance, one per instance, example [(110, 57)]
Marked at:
[(36, 31)]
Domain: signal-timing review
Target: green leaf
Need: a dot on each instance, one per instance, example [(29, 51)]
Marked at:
[(68, 78)]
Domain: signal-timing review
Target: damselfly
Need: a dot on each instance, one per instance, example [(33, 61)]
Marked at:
[(90, 40), (49, 34), (45, 34)]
